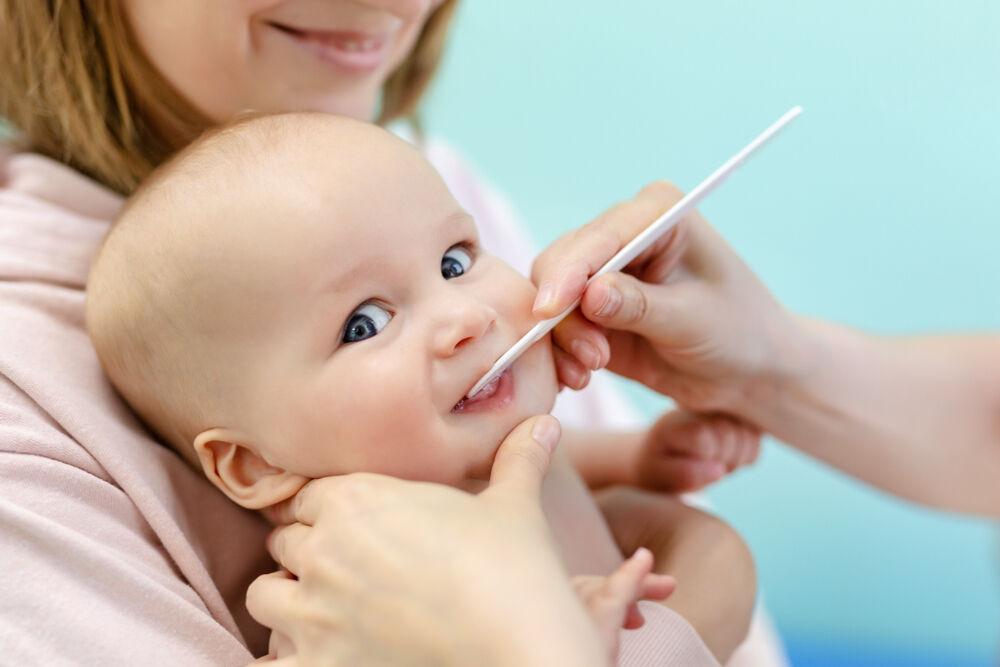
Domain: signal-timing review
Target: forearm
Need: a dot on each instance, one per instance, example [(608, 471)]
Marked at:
[(917, 417), (716, 579), (603, 458), (715, 571)]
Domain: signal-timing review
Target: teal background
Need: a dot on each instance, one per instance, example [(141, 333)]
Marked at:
[(877, 208)]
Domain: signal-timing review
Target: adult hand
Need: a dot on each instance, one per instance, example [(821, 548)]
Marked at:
[(687, 318), (388, 571)]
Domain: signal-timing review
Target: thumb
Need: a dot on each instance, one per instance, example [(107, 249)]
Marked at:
[(656, 312), (523, 459)]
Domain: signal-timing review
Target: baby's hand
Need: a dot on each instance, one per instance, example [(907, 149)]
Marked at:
[(684, 451), (611, 600)]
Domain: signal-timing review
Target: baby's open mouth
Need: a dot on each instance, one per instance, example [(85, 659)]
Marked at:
[(490, 391)]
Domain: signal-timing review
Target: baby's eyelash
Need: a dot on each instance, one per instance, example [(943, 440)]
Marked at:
[(456, 261), (366, 321)]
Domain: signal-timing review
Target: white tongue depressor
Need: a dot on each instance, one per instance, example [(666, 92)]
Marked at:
[(646, 238)]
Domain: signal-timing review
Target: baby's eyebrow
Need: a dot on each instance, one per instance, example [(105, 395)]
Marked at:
[(348, 273), (458, 220)]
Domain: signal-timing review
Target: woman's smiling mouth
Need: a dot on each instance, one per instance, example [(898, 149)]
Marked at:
[(496, 395), (348, 50)]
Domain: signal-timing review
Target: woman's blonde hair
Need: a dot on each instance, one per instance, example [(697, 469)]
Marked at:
[(74, 85)]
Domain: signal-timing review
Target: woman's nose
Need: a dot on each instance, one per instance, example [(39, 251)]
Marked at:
[(459, 322)]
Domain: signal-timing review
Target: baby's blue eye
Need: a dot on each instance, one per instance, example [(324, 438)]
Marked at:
[(455, 262), (365, 322)]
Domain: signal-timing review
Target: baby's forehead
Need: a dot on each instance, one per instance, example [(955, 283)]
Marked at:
[(271, 190)]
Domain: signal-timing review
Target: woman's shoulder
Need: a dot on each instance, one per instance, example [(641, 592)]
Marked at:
[(32, 177), (87, 491), (52, 220), (80, 477)]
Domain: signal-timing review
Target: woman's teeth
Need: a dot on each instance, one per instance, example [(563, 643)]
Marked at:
[(340, 40), (362, 46)]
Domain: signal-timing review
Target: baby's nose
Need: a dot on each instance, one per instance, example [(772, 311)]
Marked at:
[(460, 322)]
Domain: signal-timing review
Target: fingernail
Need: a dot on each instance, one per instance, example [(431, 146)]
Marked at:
[(586, 352), (546, 294), (611, 304), (546, 433)]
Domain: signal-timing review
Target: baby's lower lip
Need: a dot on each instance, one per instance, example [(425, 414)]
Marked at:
[(495, 396), (347, 50)]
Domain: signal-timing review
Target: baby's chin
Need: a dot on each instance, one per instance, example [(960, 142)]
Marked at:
[(486, 443)]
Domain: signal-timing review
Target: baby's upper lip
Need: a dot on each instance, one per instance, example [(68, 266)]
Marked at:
[(469, 384)]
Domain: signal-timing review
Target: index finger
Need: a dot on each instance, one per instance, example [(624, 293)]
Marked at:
[(561, 271), (306, 505)]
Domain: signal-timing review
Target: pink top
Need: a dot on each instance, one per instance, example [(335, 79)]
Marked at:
[(114, 551)]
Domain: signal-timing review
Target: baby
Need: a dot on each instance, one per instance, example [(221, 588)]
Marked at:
[(300, 295)]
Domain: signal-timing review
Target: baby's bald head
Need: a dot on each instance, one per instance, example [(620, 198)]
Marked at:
[(176, 278)]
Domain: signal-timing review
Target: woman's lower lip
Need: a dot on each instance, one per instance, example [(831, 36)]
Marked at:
[(351, 52), (498, 400)]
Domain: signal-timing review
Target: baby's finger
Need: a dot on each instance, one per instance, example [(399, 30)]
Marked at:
[(729, 443), (626, 583), (745, 439), (679, 474), (633, 618), (685, 434), (658, 586)]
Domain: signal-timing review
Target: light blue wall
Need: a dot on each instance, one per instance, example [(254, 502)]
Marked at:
[(879, 208)]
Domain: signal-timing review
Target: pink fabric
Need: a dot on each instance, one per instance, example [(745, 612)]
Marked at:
[(113, 551), (664, 639)]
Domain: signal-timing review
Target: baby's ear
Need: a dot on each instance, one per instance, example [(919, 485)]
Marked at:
[(241, 473)]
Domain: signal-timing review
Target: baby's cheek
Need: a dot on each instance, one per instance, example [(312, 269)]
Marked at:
[(518, 300)]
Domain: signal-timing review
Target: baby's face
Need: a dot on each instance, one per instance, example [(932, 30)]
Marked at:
[(363, 311)]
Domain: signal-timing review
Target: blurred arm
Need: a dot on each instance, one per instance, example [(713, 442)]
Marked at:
[(918, 417)]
